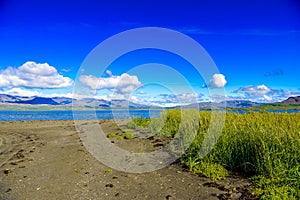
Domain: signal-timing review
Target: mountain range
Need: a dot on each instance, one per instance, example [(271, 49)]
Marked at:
[(64, 101), (101, 103), (292, 100)]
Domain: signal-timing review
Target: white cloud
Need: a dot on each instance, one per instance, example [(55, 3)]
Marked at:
[(21, 92), (188, 98), (259, 90), (267, 98), (33, 75), (169, 99), (217, 81), (291, 93), (263, 93), (108, 72), (65, 70), (31, 93), (134, 99), (120, 85)]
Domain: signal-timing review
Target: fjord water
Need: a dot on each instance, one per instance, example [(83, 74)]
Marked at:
[(26, 115)]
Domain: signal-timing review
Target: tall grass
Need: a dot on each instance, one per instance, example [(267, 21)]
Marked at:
[(265, 146)]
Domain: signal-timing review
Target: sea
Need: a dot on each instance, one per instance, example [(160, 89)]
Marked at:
[(26, 115)]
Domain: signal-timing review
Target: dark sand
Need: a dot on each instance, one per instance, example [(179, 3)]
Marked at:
[(46, 160)]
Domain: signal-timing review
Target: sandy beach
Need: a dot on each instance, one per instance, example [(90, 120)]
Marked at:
[(46, 160)]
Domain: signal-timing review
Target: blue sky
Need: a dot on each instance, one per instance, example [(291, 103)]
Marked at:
[(254, 44)]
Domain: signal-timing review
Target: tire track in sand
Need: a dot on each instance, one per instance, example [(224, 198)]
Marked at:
[(14, 147)]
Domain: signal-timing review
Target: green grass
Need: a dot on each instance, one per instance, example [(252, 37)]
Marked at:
[(143, 122), (272, 106), (264, 146), (128, 136), (111, 135)]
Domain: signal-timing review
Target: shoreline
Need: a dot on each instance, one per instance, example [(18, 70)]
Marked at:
[(66, 115), (46, 160)]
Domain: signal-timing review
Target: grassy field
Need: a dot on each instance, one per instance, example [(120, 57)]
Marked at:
[(273, 106), (263, 146)]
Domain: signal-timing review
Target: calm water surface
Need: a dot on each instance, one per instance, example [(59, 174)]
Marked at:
[(18, 115), (25, 115)]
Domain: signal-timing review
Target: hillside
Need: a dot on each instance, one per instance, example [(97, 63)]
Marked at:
[(292, 100), (64, 102)]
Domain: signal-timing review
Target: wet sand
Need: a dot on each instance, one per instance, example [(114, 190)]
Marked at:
[(47, 160)]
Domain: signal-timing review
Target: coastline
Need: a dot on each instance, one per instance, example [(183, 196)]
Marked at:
[(46, 160)]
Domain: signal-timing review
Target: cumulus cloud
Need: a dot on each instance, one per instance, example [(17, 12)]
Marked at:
[(142, 92), (167, 100), (186, 98), (259, 90), (173, 100), (31, 93), (33, 75), (263, 93), (267, 98), (217, 81), (124, 84), (291, 93), (21, 92), (108, 72)]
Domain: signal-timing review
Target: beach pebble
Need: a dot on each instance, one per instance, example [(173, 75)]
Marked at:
[(109, 185), (85, 183), (8, 190), (7, 171)]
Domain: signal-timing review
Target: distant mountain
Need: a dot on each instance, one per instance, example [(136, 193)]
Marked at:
[(120, 103), (38, 100), (241, 104), (292, 100), (62, 100), (223, 104), (10, 98), (56, 101), (26, 100)]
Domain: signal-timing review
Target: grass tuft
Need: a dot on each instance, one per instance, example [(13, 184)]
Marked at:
[(111, 135), (264, 146)]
